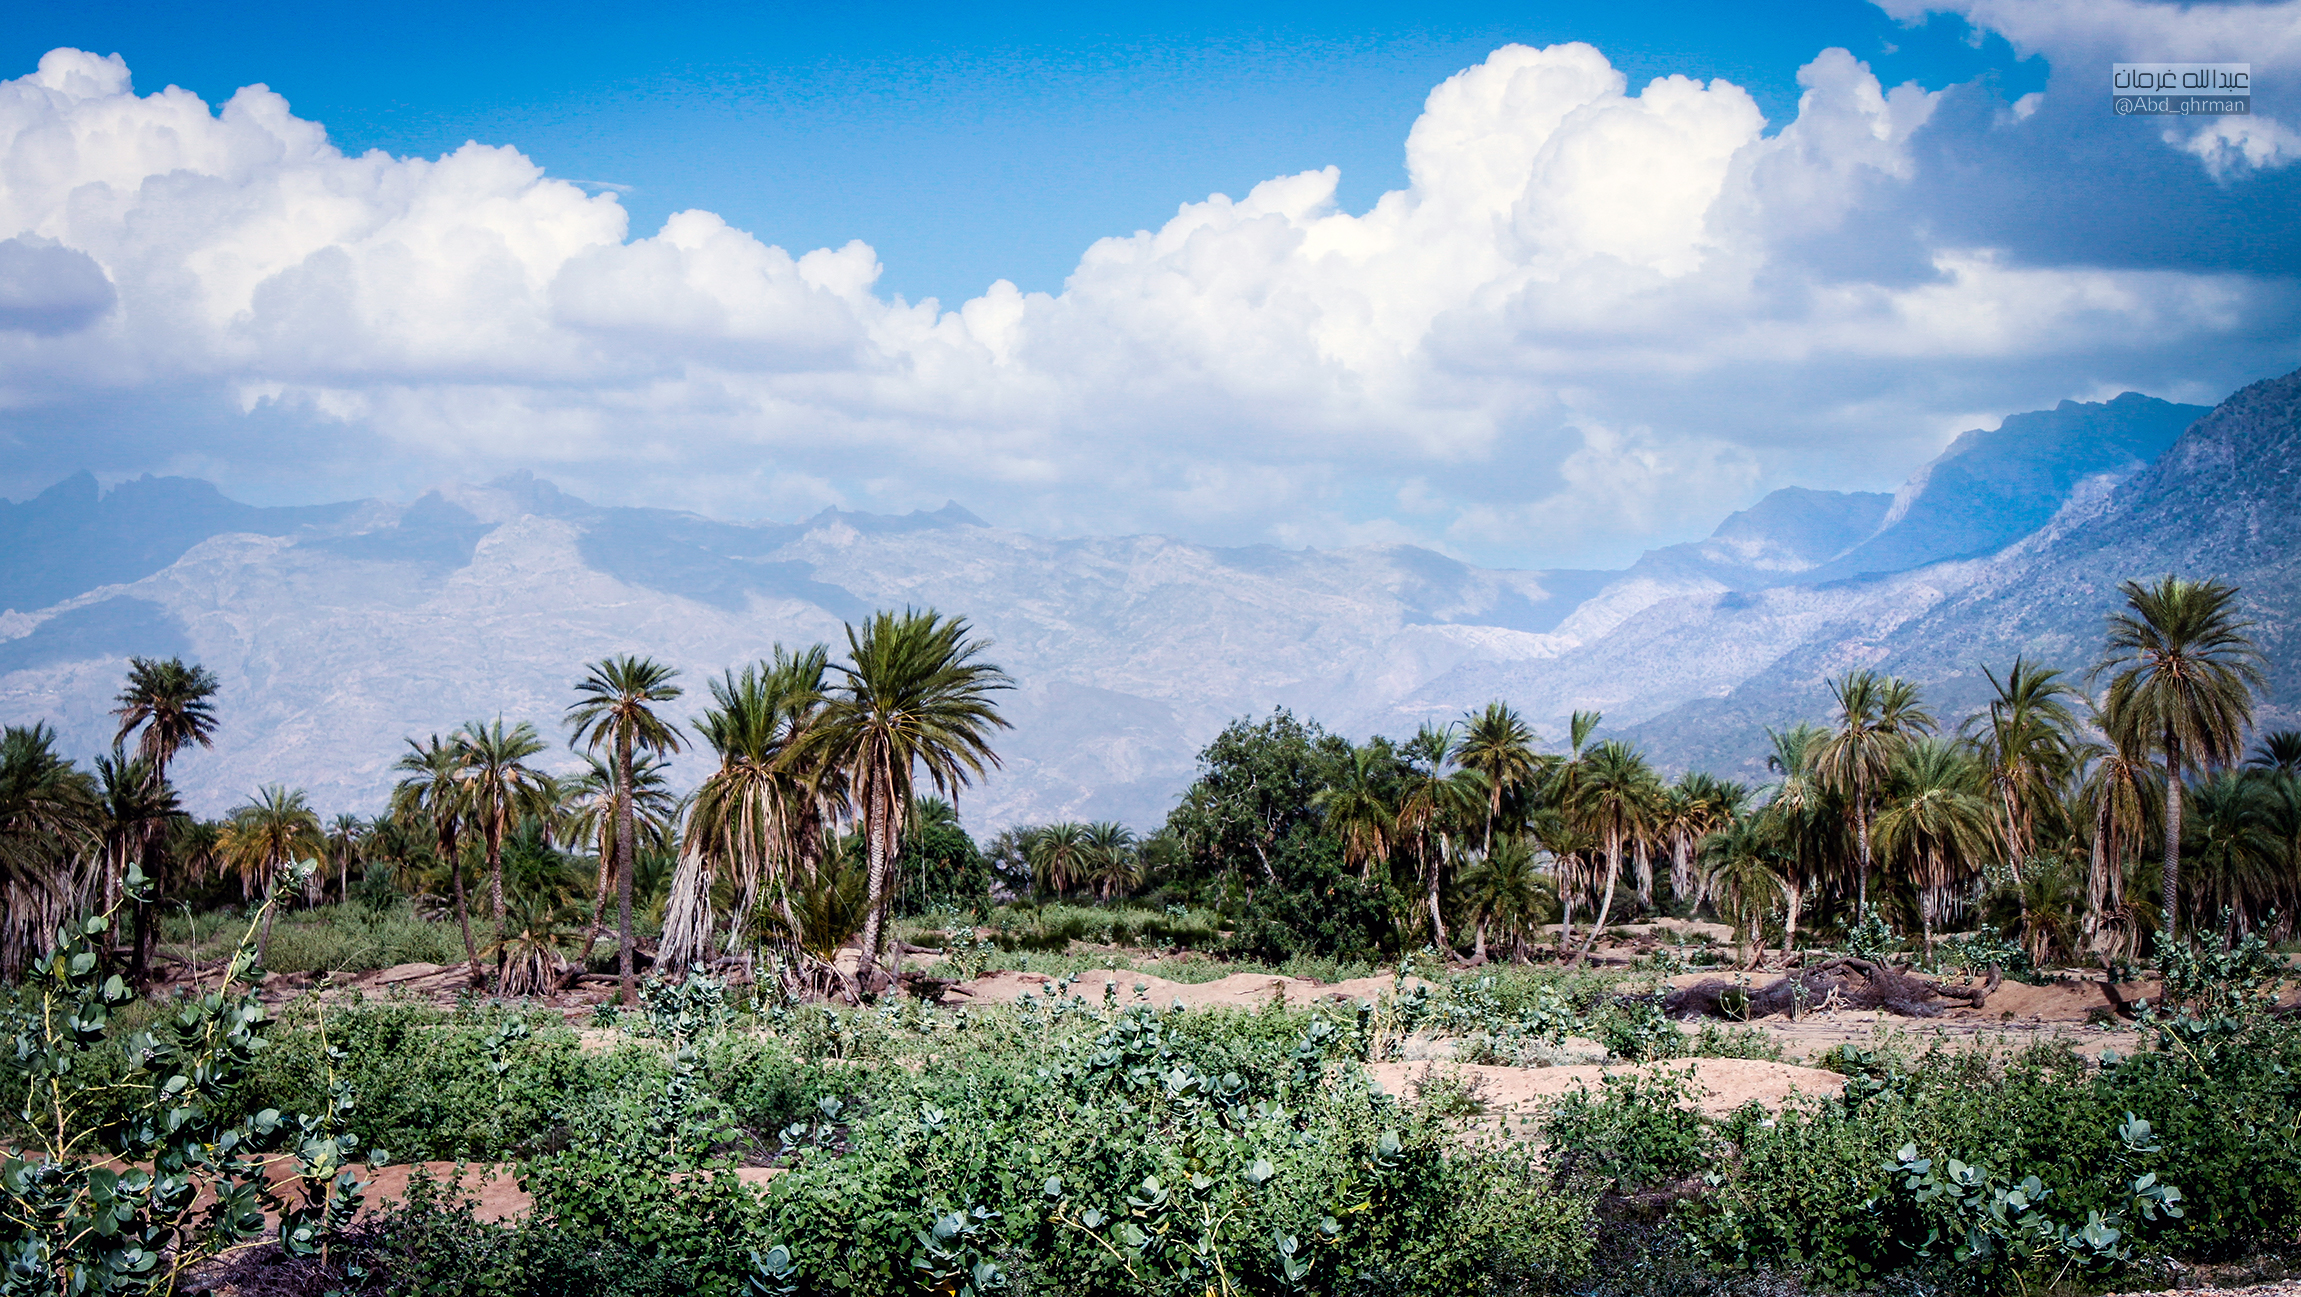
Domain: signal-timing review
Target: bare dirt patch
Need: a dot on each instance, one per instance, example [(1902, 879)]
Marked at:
[(1721, 1085), (1239, 990)]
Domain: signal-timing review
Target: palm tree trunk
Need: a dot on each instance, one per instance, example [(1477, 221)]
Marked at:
[(1645, 860), (1437, 921), (1797, 896), (2171, 880), (1862, 839), (1681, 867), (1566, 888), (463, 917), (1478, 947), (1606, 905), (874, 915), (2097, 877), (626, 852), (451, 855), (495, 869)]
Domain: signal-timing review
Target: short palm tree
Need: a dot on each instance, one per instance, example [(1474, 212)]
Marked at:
[(2277, 753), (1614, 800), (431, 794), (1507, 891), (264, 838), (1937, 824), (1356, 812), (499, 787), (752, 817), (1877, 716), (2182, 674), (1744, 880), (1114, 862), (1499, 745), (347, 836), (48, 834), (1059, 857), (2115, 795), (2027, 742), (590, 813), (136, 806), (2238, 858), (1439, 796), (915, 696), (616, 708)]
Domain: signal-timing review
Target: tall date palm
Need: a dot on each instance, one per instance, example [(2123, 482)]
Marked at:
[(1878, 715), (432, 793), (499, 787), (2182, 674), (616, 709), (915, 696)]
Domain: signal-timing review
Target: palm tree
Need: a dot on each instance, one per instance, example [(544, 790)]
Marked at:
[(1715, 808), (172, 702), (2278, 753), (1499, 745), (2026, 740), (915, 696), (1059, 856), (752, 816), (1614, 799), (1113, 860), (135, 806), (1571, 848), (264, 837), (1742, 878), (591, 817), (48, 834), (2115, 794), (2183, 672), (2239, 856), (434, 792), (615, 709), (1936, 823), (1438, 795), (499, 787), (346, 837), (1356, 812), (1877, 716), (1507, 890), (1698, 805)]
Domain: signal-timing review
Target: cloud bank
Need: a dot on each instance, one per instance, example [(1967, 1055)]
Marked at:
[(1598, 316)]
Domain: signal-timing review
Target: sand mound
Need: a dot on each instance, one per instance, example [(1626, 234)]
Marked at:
[(1239, 990), (1723, 1084)]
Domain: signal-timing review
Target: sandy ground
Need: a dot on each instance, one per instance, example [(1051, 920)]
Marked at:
[(1239, 990), (1721, 1085)]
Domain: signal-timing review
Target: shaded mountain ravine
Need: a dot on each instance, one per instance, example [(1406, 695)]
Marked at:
[(339, 630)]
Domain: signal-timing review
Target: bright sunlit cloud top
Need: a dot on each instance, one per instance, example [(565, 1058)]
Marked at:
[(1598, 314)]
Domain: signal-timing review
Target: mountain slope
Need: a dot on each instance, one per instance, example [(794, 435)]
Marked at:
[(1990, 489), (2223, 502), (342, 630)]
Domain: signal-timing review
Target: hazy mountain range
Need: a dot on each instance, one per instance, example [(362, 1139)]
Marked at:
[(340, 629)]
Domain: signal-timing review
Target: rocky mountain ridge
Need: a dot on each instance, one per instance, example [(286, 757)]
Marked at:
[(341, 630)]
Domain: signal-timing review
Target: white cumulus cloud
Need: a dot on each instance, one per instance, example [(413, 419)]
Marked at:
[(1598, 315)]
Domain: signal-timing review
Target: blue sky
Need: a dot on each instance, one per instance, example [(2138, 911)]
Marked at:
[(1581, 280), (964, 143)]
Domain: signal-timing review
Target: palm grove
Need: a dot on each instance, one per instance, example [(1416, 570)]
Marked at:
[(2075, 813)]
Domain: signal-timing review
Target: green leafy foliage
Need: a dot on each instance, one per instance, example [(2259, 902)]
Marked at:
[(103, 1197)]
